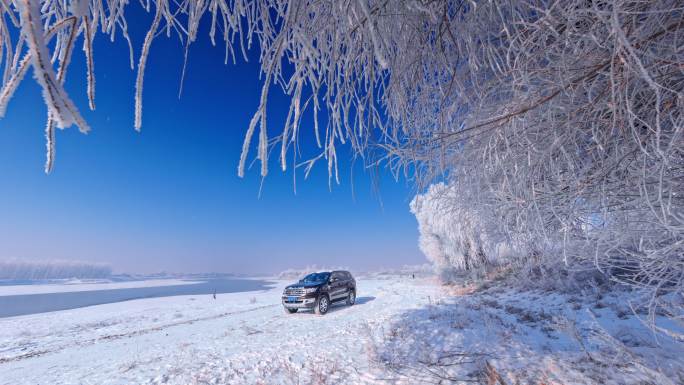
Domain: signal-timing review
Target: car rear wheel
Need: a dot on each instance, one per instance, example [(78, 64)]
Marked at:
[(351, 297), (322, 305), (290, 310)]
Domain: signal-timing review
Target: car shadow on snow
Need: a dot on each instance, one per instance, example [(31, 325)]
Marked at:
[(362, 300), (342, 305), (339, 306)]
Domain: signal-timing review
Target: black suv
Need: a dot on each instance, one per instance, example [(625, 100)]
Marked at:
[(318, 291)]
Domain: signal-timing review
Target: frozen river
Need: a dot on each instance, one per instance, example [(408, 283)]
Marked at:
[(14, 305)]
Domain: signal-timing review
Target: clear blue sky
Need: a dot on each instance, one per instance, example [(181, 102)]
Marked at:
[(168, 198)]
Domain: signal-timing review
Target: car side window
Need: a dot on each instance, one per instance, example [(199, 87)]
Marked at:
[(335, 277)]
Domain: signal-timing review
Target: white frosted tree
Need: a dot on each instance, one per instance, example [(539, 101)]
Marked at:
[(459, 233)]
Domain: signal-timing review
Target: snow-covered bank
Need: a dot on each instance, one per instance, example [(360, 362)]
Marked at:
[(68, 287), (402, 330)]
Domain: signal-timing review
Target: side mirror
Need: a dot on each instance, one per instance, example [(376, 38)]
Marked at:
[(333, 279)]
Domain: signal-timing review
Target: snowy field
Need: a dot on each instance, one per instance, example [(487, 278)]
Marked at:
[(401, 331)]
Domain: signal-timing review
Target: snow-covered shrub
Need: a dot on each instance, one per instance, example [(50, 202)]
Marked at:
[(421, 270), (457, 235), (15, 269), (293, 273), (416, 271)]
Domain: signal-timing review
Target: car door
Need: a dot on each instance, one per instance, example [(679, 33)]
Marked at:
[(337, 286), (349, 281), (344, 284)]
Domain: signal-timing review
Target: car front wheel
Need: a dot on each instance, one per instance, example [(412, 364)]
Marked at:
[(322, 305)]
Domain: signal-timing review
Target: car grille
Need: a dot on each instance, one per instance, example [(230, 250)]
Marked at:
[(294, 291)]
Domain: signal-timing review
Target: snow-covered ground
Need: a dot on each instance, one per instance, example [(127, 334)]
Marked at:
[(78, 285), (401, 330)]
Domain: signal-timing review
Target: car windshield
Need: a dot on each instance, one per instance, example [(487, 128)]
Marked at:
[(316, 277)]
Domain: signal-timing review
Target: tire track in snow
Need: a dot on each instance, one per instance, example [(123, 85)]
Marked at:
[(134, 333)]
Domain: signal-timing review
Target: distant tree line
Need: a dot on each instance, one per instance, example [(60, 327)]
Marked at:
[(40, 270)]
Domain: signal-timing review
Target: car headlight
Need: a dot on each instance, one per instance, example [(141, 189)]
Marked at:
[(310, 290)]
